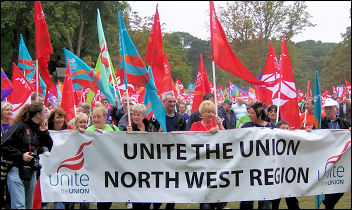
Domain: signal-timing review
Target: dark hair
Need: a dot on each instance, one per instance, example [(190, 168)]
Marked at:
[(61, 113), (260, 111), (311, 100), (281, 122), (208, 96), (104, 99), (34, 96), (28, 111), (272, 106)]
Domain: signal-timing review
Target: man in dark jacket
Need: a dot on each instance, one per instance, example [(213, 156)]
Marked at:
[(115, 113), (227, 115), (174, 122), (195, 116), (332, 121)]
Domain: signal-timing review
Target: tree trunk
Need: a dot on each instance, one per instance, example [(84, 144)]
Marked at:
[(15, 42), (69, 42), (80, 34)]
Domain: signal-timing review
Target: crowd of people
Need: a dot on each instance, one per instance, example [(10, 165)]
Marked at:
[(25, 136)]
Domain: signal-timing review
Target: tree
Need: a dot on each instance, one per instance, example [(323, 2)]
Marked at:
[(71, 24), (250, 25), (337, 64)]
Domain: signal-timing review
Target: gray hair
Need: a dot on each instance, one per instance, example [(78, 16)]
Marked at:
[(85, 106), (4, 104), (139, 108)]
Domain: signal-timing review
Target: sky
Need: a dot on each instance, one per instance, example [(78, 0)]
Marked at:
[(331, 18)]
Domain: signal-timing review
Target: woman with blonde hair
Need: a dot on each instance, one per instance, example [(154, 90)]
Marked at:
[(6, 116), (210, 121)]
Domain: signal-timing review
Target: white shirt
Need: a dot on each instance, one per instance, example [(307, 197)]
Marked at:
[(239, 110)]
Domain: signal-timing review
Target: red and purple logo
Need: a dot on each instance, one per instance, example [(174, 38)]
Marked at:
[(76, 162), (334, 159)]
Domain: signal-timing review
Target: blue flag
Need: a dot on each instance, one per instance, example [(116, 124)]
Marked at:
[(153, 104), (317, 100), (26, 64), (136, 73)]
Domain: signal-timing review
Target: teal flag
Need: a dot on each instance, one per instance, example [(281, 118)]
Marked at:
[(103, 65), (317, 100)]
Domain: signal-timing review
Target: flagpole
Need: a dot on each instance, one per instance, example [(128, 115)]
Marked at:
[(214, 84), (37, 77), (113, 80), (128, 105), (278, 102)]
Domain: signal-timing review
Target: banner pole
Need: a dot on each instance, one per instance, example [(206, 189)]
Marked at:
[(214, 84), (37, 78)]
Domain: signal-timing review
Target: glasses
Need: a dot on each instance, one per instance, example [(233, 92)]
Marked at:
[(272, 111)]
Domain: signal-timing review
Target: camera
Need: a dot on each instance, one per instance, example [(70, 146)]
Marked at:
[(36, 165)]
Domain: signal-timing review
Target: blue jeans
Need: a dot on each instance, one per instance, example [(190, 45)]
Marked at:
[(59, 205), (21, 192)]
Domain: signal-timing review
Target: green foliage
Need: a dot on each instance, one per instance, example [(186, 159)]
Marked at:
[(250, 26)]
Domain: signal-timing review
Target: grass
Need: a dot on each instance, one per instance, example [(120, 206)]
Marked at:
[(304, 203)]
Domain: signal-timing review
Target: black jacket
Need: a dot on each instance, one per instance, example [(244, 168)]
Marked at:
[(228, 124), (116, 114), (195, 117), (343, 123), (180, 123), (15, 141), (148, 127)]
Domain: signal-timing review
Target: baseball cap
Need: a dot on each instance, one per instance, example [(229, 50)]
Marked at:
[(228, 101), (330, 102)]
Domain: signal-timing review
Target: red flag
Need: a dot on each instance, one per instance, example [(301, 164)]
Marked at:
[(348, 85), (325, 96), (300, 95), (270, 75), (155, 53), (43, 47), (334, 91), (202, 86), (22, 90), (344, 92), (34, 83), (180, 87), (308, 95), (258, 95), (68, 101), (222, 53), (251, 94), (288, 103), (167, 84), (37, 196), (141, 95)]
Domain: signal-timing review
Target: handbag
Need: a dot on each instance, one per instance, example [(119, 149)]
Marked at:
[(25, 172)]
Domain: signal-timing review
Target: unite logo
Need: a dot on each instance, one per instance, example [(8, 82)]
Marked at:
[(78, 156), (334, 174), (334, 159), (72, 182)]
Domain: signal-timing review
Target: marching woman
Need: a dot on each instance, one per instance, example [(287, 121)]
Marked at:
[(211, 123), (6, 121), (258, 116), (100, 115), (21, 144)]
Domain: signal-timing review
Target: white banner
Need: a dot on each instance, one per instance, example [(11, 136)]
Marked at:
[(194, 167)]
